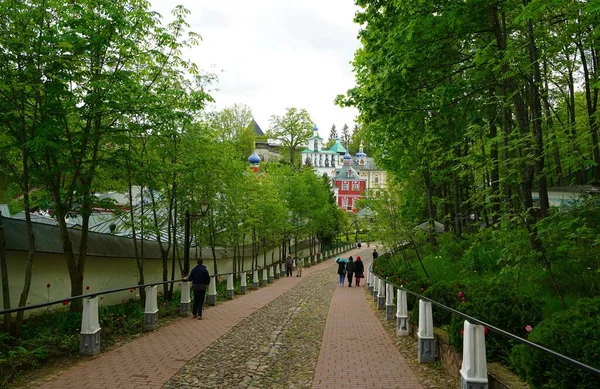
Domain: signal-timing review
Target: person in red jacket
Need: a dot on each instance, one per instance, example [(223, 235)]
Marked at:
[(359, 270)]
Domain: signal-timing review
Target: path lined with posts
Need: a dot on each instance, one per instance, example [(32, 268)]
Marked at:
[(192, 353), (356, 351)]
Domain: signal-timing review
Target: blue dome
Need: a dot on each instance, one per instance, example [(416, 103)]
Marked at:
[(254, 158), (347, 155), (315, 128), (360, 154)]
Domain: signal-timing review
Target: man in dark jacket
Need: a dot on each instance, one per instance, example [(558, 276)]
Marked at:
[(200, 281), (350, 270)]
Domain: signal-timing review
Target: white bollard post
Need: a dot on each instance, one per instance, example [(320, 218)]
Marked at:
[(229, 286), (425, 333), (271, 274), (212, 291), (375, 287), (265, 277), (381, 294), (277, 272), (315, 256), (473, 374), (186, 299), (389, 302), (282, 269), (151, 309), (243, 285), (401, 314), (89, 343), (255, 279)]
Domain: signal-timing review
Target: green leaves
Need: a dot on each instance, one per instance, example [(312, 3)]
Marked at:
[(292, 129)]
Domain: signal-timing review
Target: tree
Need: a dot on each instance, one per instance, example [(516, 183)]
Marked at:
[(333, 134), (93, 68), (346, 135), (234, 124), (292, 129)]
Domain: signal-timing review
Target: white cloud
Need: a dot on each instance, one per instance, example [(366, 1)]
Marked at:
[(274, 54)]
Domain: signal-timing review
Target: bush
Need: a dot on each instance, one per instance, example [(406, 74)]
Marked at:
[(500, 307), (444, 293), (574, 333)]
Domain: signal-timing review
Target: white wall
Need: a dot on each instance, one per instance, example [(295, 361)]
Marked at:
[(101, 274)]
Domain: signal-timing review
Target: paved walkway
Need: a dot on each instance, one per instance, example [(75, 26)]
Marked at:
[(356, 351), (151, 360)]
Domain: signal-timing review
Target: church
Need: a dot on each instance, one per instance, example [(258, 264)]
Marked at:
[(350, 177)]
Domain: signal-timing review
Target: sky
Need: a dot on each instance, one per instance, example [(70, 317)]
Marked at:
[(275, 54)]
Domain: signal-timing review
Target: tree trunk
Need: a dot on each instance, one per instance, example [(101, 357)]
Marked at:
[(456, 208), (264, 239), (591, 99), (551, 129), (536, 116), (430, 207), (164, 253), (4, 269), (572, 132)]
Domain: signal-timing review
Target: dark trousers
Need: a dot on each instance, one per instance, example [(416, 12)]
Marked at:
[(288, 271), (199, 296), (349, 279)]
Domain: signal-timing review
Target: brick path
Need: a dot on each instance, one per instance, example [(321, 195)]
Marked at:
[(149, 361), (356, 351)]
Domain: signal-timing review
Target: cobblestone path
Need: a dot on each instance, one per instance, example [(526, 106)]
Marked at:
[(152, 359), (275, 347)]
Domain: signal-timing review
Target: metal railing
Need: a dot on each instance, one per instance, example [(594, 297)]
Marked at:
[(110, 291), (559, 356)]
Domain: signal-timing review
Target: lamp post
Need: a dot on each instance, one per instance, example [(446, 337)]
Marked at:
[(355, 224), (187, 244)]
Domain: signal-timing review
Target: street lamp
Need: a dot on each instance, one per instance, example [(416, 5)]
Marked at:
[(187, 244), (355, 224)]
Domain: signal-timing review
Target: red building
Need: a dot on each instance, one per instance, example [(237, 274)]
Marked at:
[(350, 185)]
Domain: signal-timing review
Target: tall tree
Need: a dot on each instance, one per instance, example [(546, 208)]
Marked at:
[(346, 135), (292, 129)]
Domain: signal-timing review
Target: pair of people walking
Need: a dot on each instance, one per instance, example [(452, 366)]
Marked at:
[(350, 269)]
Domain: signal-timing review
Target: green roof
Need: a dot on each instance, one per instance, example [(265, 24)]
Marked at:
[(337, 148)]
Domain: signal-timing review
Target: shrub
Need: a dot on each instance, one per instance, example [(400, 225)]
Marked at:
[(500, 307), (574, 333), (444, 293)]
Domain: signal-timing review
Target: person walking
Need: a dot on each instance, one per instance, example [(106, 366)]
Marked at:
[(299, 266), (359, 270), (289, 265), (200, 281), (350, 270), (375, 254), (341, 269)]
